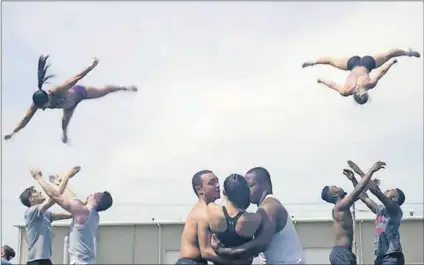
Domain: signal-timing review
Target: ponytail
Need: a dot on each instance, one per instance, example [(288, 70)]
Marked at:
[(42, 70)]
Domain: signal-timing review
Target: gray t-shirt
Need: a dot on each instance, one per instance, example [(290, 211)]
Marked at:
[(81, 239), (387, 237), (39, 233)]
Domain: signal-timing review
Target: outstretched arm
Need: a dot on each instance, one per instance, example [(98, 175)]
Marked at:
[(60, 189), (61, 216), (392, 207), (74, 80), (28, 116), (363, 196), (380, 73), (68, 193), (68, 204), (332, 85), (350, 199)]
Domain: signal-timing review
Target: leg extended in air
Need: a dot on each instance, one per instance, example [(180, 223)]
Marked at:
[(382, 58), (339, 63), (101, 91)]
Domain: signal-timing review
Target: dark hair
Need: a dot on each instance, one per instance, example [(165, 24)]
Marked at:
[(40, 97), (25, 195), (262, 175), (237, 190), (401, 197), (197, 179), (105, 202), (360, 98), (325, 194), (8, 252)]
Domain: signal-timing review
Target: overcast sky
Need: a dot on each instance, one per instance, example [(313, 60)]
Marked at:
[(221, 87)]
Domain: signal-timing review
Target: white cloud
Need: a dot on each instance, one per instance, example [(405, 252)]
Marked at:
[(221, 87)]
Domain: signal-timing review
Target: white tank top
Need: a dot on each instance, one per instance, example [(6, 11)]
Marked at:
[(285, 246)]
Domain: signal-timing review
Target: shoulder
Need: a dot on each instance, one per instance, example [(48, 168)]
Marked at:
[(346, 92), (32, 209), (198, 212), (213, 208), (253, 217), (271, 204)]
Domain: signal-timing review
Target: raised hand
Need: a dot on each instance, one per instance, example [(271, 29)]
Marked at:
[(355, 167), (349, 174), (8, 136), (377, 166), (55, 179), (95, 62), (75, 170), (36, 173)]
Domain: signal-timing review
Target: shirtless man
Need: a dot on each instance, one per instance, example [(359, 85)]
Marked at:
[(387, 245), (342, 254), (359, 81), (66, 96), (206, 187), (276, 241), (231, 224)]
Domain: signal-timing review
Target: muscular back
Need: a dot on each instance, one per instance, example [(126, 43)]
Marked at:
[(359, 77), (189, 238), (246, 226), (343, 226)]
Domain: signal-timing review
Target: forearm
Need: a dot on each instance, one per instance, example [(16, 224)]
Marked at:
[(385, 68), (61, 216), (367, 200), (390, 205), (21, 124), (359, 188), (84, 72), (64, 183), (49, 190), (69, 194), (364, 181), (248, 249), (363, 195), (330, 84), (211, 256)]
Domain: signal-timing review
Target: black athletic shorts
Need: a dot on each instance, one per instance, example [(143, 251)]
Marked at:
[(40, 262), (366, 61), (391, 259), (342, 255)]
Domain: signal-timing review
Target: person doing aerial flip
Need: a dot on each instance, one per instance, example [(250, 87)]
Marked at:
[(359, 82), (66, 96)]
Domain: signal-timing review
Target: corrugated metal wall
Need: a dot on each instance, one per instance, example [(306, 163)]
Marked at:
[(152, 243)]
